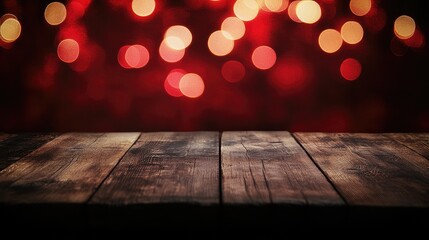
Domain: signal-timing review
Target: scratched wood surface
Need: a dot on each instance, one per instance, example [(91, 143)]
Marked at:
[(211, 179)]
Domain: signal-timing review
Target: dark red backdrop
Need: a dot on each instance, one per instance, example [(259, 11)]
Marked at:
[(38, 92)]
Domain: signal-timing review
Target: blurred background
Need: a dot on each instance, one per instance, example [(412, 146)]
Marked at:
[(152, 65)]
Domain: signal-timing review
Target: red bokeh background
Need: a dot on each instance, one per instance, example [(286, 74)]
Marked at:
[(303, 91)]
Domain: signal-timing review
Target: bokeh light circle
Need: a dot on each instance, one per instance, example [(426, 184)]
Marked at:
[(137, 56), (55, 13), (330, 40), (350, 69), (246, 10), (10, 28), (404, 27), (171, 82), (308, 11), (264, 57), (68, 50), (143, 8), (352, 32), (191, 85), (360, 7), (178, 37), (220, 45), (169, 54), (234, 27), (233, 71)]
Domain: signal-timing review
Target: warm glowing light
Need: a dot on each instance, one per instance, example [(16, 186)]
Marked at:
[(352, 32), (171, 82), (178, 37), (404, 27), (292, 11), (246, 10), (121, 57), (55, 13), (330, 40), (68, 50), (276, 5), (220, 45), (234, 27), (143, 8), (169, 54), (233, 71), (137, 56), (350, 69), (10, 28), (191, 85), (308, 11), (360, 7), (264, 57)]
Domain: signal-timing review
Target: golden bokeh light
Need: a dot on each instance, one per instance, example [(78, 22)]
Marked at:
[(360, 7), (10, 28), (178, 37), (220, 45), (246, 10), (68, 50), (292, 11), (404, 27), (55, 13), (191, 85), (352, 32), (169, 54), (276, 5), (234, 27), (308, 11), (330, 40), (143, 8), (264, 57)]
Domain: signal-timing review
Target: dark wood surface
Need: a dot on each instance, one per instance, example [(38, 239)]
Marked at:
[(211, 179)]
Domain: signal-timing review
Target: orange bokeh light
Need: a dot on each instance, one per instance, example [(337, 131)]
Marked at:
[(55, 13), (404, 27), (264, 57), (171, 82), (191, 85), (360, 7), (330, 40), (68, 50), (10, 28), (234, 27), (308, 11), (352, 32), (350, 69), (233, 71), (170, 55), (143, 8), (220, 45), (246, 10)]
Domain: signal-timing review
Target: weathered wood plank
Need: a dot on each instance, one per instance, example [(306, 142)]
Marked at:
[(419, 142), (369, 169), (68, 169), (165, 179), (167, 168), (15, 146), (4, 136), (271, 167)]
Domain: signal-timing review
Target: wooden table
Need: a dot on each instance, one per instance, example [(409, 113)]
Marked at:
[(214, 180)]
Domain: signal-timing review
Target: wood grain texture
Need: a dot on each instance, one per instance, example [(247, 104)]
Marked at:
[(68, 169), (369, 169), (419, 142), (15, 146), (166, 168), (271, 168)]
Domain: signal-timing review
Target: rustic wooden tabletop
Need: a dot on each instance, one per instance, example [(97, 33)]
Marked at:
[(212, 179)]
